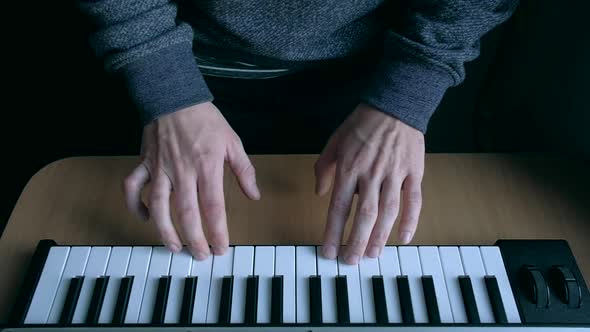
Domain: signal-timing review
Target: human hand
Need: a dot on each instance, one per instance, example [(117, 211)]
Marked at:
[(183, 154), (376, 156)]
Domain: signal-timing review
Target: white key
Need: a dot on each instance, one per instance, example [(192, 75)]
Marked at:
[(328, 270), (180, 268), (48, 285), (116, 269), (139, 264), (243, 267), (264, 268), (494, 264), (355, 299), (410, 265), (222, 267), (201, 270), (473, 266), (97, 265), (389, 266), (305, 267), (430, 261), (453, 268), (368, 267), (285, 266), (159, 266), (74, 267)]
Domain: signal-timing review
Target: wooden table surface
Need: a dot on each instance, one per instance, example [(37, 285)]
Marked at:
[(467, 199)]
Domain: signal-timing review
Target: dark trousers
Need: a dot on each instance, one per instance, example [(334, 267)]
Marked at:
[(292, 114)]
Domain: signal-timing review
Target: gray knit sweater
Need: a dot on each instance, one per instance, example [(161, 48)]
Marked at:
[(423, 44)]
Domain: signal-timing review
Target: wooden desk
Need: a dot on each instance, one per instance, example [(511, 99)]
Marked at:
[(468, 199)]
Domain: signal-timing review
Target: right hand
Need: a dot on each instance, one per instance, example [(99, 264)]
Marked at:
[(183, 154)]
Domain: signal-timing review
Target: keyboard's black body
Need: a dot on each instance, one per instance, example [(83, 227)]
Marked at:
[(548, 287)]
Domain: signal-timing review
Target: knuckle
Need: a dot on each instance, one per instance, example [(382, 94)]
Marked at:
[(390, 205), (367, 212), (157, 199), (380, 237), (186, 213), (247, 170), (357, 245), (218, 236), (213, 208), (414, 197), (339, 206)]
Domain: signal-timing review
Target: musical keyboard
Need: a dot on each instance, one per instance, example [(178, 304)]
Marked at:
[(511, 285)]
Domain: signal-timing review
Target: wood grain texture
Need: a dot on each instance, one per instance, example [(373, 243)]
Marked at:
[(467, 199)]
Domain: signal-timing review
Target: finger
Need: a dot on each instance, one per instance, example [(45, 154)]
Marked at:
[(212, 205), (159, 205), (132, 186), (338, 212), (244, 171), (324, 169), (365, 217), (388, 211), (412, 203), (189, 218)]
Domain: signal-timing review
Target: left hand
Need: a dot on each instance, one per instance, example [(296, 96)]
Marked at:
[(376, 156)]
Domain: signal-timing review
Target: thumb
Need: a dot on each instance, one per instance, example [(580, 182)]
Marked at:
[(324, 168), (244, 171)]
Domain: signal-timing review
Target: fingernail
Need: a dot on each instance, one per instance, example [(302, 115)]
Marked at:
[(405, 237), (201, 256), (353, 259), (256, 191), (173, 247), (329, 251), (217, 250), (374, 251)]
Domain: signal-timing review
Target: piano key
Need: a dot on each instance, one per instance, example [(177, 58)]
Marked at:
[(305, 262), (410, 266), (285, 266), (264, 268), (116, 270), (75, 266), (223, 316), (96, 266), (251, 300), (159, 266), (202, 271), (431, 266), (315, 299), (496, 300), (389, 267), (188, 300), (159, 309), (123, 295), (47, 286), (452, 269), (276, 308), (328, 270), (97, 299), (222, 267), (180, 268), (368, 268), (379, 300), (473, 265), (355, 302), (242, 269), (431, 299), (494, 265), (405, 299), (139, 264), (69, 307), (342, 305), (469, 299)]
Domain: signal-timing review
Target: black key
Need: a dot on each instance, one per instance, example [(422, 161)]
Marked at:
[(379, 299), (276, 300), (188, 300), (100, 287), (225, 304), (161, 300), (250, 312), (469, 299), (496, 300), (122, 300), (72, 296), (405, 300), (430, 298), (315, 299), (342, 307)]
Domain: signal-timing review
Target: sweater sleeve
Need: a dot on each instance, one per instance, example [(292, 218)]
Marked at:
[(425, 53), (145, 44)]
